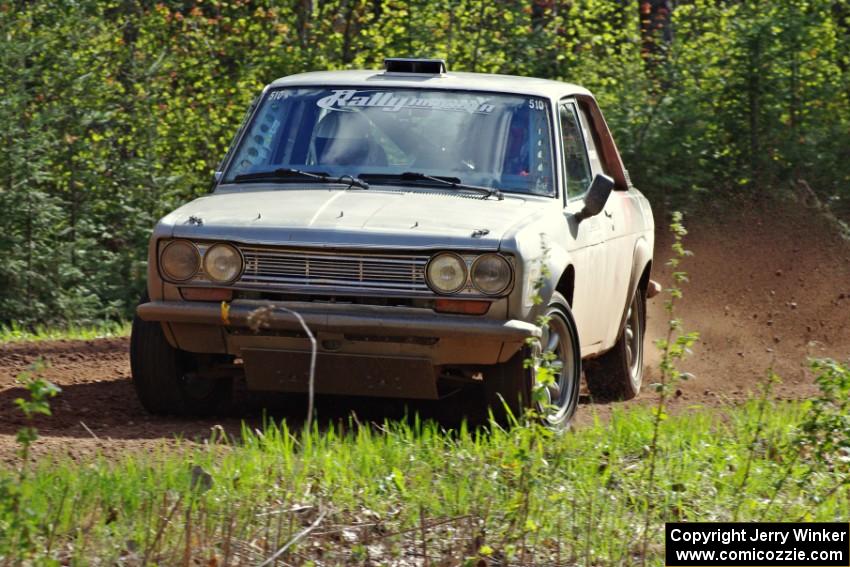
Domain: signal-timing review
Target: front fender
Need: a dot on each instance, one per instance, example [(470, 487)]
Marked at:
[(533, 252)]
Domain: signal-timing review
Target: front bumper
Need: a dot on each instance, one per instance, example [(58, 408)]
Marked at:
[(361, 349), (340, 318)]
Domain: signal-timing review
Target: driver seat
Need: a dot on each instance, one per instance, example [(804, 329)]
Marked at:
[(344, 138)]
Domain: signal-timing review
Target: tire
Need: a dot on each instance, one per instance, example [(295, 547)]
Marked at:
[(160, 376), (509, 386), (618, 374)]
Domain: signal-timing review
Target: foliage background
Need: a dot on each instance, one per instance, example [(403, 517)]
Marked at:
[(115, 111)]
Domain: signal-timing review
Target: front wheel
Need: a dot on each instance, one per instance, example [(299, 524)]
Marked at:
[(166, 379), (618, 374), (518, 384)]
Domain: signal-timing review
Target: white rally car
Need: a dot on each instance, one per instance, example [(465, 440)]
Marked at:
[(410, 217)]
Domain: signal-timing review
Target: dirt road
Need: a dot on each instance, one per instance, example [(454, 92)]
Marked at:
[(768, 288)]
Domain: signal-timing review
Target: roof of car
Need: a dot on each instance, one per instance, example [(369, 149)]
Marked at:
[(451, 80)]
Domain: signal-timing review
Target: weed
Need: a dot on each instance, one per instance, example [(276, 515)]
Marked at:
[(674, 348), (40, 391), (763, 406), (20, 516)]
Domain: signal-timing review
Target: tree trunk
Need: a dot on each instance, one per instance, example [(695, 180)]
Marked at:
[(346, 38), (305, 13), (656, 31), (754, 107)]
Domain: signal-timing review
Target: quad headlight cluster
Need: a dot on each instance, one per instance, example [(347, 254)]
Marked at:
[(446, 273), (489, 274), (181, 260)]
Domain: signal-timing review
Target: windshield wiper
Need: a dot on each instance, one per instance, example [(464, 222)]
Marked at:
[(453, 182), (287, 174)]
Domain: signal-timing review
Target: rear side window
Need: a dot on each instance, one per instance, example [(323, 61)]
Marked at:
[(597, 159), (576, 164)]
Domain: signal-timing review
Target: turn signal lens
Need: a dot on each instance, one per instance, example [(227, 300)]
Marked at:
[(446, 273), (206, 294), (179, 260), (466, 307)]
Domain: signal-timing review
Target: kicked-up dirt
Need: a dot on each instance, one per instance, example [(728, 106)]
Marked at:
[(768, 289)]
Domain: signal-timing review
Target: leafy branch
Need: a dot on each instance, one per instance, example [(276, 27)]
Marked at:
[(674, 347)]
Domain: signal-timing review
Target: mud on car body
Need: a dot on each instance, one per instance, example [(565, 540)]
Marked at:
[(409, 216)]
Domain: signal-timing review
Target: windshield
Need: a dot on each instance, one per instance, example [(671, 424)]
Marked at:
[(488, 139)]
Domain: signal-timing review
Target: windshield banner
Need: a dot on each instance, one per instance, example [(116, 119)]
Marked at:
[(391, 102)]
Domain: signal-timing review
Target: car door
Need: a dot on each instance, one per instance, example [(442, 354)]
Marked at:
[(617, 238), (589, 297)]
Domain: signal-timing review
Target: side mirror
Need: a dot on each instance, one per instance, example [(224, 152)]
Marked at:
[(597, 196)]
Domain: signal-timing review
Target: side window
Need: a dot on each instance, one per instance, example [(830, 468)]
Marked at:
[(576, 164), (597, 160)]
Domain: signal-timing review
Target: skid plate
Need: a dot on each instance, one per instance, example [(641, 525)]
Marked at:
[(344, 374)]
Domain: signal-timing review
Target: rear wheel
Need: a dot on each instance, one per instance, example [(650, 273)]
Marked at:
[(166, 379), (618, 374), (510, 385)]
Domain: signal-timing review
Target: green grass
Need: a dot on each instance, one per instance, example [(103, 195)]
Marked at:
[(390, 494), (17, 333)]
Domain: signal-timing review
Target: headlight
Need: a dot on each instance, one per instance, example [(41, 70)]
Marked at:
[(222, 263), (446, 273), (491, 274), (180, 260)]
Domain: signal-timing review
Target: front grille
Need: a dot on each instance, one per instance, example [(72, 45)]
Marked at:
[(270, 268)]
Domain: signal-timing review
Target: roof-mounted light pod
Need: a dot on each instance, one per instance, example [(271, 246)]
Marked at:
[(418, 66)]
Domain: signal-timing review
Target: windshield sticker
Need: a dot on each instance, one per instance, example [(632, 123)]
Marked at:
[(390, 102)]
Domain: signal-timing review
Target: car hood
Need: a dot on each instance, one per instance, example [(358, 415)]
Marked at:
[(378, 217)]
